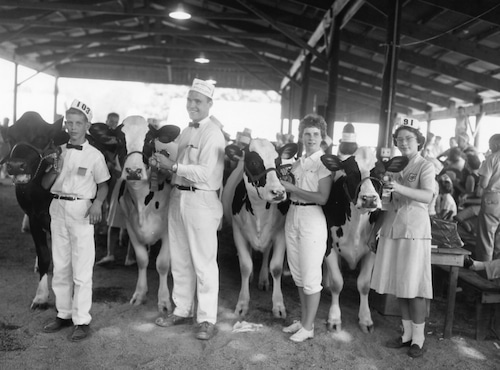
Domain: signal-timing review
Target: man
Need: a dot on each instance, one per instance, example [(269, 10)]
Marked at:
[(113, 120), (194, 214)]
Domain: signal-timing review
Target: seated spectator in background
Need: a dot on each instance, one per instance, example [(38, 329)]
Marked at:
[(436, 147), (463, 143), (446, 208), (469, 185), (492, 268), (113, 120)]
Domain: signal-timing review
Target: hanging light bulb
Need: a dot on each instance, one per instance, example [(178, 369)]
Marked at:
[(202, 59), (179, 13)]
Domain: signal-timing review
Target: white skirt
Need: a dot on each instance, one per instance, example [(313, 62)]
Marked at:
[(403, 268)]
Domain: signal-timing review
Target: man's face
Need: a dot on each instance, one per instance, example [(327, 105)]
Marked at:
[(112, 121), (198, 106)]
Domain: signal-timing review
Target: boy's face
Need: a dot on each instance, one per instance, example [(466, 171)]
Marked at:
[(77, 126)]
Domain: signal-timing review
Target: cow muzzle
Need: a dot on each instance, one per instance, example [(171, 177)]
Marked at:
[(19, 172), (133, 174), (369, 202)]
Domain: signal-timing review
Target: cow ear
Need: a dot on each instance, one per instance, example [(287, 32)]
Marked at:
[(58, 124), (331, 162), (168, 133), (60, 137), (396, 164), (288, 150), (102, 136), (233, 151)]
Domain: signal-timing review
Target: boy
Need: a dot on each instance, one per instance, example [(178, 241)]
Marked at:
[(78, 192)]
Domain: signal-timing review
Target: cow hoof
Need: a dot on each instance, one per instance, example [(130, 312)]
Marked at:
[(241, 310), (279, 313), (164, 308), (337, 328), (137, 301), (367, 329), (39, 306)]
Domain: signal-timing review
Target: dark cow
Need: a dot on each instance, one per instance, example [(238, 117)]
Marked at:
[(253, 201), (351, 211), (144, 197), (33, 144)]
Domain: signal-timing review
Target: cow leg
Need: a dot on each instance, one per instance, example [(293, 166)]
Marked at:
[(130, 258), (246, 267), (163, 267), (43, 263), (264, 271), (279, 310), (142, 257), (364, 279), (336, 285)]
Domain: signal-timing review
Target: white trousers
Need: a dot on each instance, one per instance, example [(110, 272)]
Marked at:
[(73, 256), (306, 234), (193, 219)]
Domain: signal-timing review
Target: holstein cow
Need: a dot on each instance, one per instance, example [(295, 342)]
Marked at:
[(144, 199), (33, 144), (253, 201), (351, 213)]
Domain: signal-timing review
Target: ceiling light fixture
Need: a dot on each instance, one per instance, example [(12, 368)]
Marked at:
[(202, 59), (179, 13)]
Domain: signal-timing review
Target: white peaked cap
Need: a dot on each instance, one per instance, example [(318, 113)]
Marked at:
[(348, 134), (203, 87), (410, 122), (82, 107)]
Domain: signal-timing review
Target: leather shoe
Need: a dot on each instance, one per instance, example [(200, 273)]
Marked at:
[(206, 331), (57, 325), (80, 332), (397, 343), (415, 351), (172, 320)]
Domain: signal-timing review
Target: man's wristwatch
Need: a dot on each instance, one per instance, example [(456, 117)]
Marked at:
[(174, 167)]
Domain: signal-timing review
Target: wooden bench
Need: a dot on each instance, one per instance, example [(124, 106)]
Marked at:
[(485, 294)]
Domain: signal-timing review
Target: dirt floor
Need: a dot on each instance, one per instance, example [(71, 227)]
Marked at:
[(125, 336)]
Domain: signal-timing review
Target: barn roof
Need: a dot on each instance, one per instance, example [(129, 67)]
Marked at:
[(449, 50)]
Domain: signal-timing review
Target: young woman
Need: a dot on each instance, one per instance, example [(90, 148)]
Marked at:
[(305, 226), (403, 259)]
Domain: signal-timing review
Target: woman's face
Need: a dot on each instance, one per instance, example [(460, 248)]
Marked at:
[(311, 138), (406, 142)]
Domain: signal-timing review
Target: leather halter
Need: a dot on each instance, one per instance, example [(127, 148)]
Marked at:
[(40, 152)]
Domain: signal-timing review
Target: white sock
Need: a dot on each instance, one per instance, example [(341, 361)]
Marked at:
[(418, 336), (407, 330)]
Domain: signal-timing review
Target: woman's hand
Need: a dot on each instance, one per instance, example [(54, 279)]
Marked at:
[(289, 187)]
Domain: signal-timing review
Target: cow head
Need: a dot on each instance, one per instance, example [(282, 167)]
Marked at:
[(263, 165), (32, 143), (136, 142), (362, 176)]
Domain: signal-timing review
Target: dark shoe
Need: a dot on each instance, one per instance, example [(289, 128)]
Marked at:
[(80, 332), (468, 262), (172, 320), (206, 331), (397, 343), (57, 325), (415, 351)]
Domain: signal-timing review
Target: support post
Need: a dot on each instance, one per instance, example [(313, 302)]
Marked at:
[(389, 77), (333, 73)]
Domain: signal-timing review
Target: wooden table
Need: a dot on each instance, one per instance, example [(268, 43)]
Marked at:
[(454, 258)]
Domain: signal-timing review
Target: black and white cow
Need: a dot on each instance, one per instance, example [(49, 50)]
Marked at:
[(145, 202), (253, 201), (32, 144), (351, 212)]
